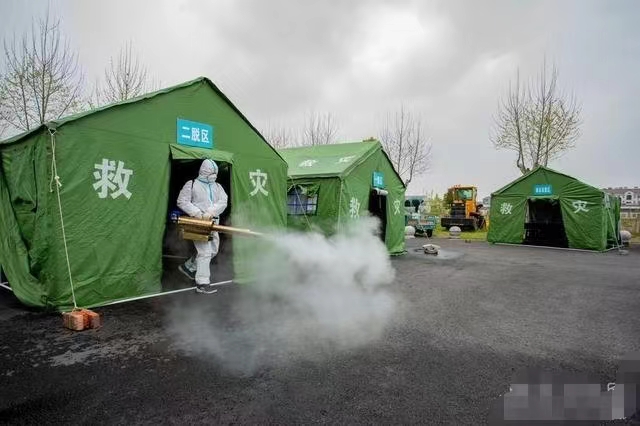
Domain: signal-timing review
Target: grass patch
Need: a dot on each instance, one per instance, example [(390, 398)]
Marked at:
[(480, 235)]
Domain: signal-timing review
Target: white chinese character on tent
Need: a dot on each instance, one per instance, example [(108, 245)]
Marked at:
[(396, 207), (308, 163), (195, 134), (346, 159), (103, 177), (258, 180), (354, 208), (580, 206), (204, 135), (505, 208), (110, 178)]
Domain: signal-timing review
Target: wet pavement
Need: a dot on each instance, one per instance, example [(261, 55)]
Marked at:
[(466, 320)]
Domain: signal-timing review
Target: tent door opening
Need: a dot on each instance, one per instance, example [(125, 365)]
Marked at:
[(175, 250), (378, 208), (544, 225)]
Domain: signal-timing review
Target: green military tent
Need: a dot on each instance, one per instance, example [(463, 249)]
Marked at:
[(87, 199), (548, 208), (330, 185)]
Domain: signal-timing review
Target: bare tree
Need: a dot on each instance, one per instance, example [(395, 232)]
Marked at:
[(320, 129), (536, 120), (406, 144), (125, 77), (94, 97), (280, 136), (40, 79)]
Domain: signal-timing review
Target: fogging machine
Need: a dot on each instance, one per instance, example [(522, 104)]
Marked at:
[(200, 229)]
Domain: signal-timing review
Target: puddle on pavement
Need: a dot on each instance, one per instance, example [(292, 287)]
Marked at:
[(443, 254)]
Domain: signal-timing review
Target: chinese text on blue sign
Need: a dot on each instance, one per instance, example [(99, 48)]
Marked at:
[(542, 190), (191, 133), (378, 180)]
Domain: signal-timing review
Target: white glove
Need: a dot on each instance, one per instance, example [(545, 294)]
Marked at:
[(207, 216)]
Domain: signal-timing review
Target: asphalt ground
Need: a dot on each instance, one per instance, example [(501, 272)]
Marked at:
[(466, 320)]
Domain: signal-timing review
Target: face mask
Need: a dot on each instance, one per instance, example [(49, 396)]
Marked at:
[(212, 178)]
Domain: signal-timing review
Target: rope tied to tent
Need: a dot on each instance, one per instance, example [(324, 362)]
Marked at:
[(54, 169), (54, 176)]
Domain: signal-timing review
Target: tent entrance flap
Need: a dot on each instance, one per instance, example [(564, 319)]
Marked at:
[(544, 225), (378, 208), (179, 152), (176, 250)]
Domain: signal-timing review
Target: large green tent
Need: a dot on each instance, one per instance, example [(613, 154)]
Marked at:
[(330, 185), (545, 207), (117, 169)]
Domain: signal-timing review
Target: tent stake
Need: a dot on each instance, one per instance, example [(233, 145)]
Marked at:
[(4, 285)]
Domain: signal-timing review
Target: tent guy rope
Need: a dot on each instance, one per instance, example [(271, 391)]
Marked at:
[(54, 176)]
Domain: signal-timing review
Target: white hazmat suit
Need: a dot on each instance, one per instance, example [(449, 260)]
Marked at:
[(203, 198)]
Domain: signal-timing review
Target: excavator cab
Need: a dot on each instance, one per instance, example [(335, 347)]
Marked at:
[(464, 210)]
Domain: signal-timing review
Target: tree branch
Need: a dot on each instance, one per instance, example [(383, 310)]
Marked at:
[(41, 79), (403, 140), (319, 129), (539, 122)]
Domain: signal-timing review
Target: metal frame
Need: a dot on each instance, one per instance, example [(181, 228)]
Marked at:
[(5, 286), (164, 293), (555, 248)]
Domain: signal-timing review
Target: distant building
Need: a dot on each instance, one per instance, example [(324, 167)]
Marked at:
[(629, 201)]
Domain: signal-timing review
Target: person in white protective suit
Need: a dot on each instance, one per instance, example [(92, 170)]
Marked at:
[(203, 198)]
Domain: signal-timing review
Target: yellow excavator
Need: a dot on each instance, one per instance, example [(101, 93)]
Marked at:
[(464, 210)]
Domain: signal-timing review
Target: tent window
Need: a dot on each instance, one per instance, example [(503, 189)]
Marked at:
[(300, 202)]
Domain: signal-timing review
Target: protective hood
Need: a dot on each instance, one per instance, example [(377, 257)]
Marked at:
[(208, 168)]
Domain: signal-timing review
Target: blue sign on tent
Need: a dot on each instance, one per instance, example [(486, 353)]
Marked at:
[(542, 190), (378, 180), (191, 133)]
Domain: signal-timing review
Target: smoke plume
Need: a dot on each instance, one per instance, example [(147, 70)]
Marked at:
[(313, 296)]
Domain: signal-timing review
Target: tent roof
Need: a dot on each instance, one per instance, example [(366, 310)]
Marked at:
[(54, 124), (334, 160), (327, 160), (539, 168)]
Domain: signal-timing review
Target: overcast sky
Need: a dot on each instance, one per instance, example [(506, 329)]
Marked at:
[(448, 61)]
